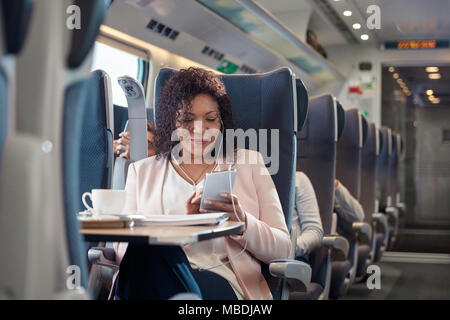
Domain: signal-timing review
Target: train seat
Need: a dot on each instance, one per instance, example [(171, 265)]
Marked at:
[(316, 157), (103, 257), (36, 156), (88, 132), (87, 151), (367, 197), (283, 265), (382, 179), (392, 210), (15, 16), (348, 172), (4, 111), (262, 97), (121, 119)]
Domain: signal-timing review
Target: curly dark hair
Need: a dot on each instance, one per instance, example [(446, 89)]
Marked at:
[(176, 96)]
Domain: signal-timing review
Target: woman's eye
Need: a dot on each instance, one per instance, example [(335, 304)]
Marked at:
[(187, 120), (211, 119)]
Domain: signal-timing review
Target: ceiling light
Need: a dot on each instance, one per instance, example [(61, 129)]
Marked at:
[(356, 26), (391, 69), (431, 98), (432, 69), (434, 76), (364, 37), (395, 75), (430, 92), (347, 13)]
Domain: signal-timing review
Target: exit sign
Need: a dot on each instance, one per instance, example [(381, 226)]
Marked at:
[(227, 67)]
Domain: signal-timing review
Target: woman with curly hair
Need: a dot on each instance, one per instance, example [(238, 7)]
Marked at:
[(192, 115)]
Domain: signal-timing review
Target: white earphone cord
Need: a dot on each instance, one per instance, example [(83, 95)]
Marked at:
[(237, 216)]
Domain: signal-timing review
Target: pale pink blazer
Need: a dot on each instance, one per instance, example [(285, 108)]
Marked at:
[(268, 237)]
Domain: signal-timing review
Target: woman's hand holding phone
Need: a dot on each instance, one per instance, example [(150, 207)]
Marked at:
[(226, 206), (193, 202)]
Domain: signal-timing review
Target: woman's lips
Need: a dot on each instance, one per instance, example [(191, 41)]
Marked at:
[(200, 141)]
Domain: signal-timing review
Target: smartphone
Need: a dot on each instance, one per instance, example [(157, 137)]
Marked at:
[(215, 184)]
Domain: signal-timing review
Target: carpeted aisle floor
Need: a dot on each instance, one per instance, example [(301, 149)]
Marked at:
[(400, 280)]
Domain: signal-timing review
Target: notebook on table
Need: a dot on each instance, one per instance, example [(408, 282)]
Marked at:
[(183, 219)]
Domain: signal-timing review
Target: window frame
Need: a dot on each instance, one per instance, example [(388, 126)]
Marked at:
[(144, 55)]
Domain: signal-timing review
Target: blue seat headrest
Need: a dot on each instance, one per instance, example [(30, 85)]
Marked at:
[(383, 174), (348, 159), (302, 104), (16, 21), (121, 118), (393, 165), (341, 119), (93, 13), (316, 152), (369, 172), (3, 111), (365, 128)]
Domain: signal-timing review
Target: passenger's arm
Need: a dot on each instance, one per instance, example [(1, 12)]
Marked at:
[(349, 208), (122, 145), (268, 237), (307, 216)]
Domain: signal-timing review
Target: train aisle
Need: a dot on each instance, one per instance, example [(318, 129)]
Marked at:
[(408, 276)]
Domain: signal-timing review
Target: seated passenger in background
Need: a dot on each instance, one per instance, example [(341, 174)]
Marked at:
[(122, 145), (348, 209), (306, 220), (195, 100)]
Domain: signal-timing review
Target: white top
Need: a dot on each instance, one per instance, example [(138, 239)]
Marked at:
[(203, 254), (306, 217), (350, 209)]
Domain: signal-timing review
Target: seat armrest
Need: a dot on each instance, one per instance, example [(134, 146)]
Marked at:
[(337, 243), (382, 220), (103, 256), (363, 231), (392, 211), (297, 273)]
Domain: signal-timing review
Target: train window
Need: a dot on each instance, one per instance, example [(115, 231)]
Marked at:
[(117, 63)]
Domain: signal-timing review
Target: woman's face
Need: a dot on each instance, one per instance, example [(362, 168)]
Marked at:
[(199, 126)]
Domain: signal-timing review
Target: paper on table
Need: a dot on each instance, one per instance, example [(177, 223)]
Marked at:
[(184, 219)]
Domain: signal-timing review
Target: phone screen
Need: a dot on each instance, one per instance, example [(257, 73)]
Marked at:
[(215, 184)]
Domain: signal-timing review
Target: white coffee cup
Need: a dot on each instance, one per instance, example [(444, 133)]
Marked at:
[(105, 201)]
